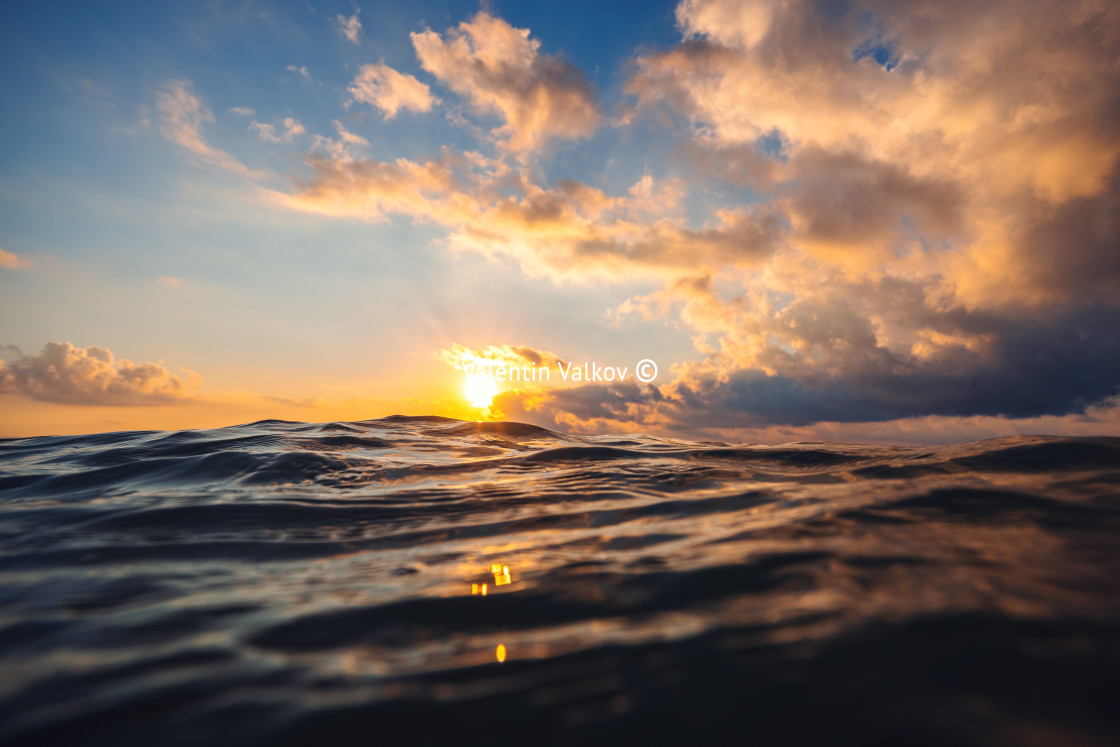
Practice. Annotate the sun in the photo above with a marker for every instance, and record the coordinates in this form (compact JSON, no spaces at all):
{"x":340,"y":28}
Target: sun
{"x":480,"y":390}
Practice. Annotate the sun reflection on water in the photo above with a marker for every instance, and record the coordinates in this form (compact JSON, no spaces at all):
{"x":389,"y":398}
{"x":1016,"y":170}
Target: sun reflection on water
{"x":501,"y":578}
{"x":501,"y":574}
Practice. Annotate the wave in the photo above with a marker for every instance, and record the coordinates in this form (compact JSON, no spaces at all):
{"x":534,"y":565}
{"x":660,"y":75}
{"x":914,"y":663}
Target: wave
{"x":428,"y":580}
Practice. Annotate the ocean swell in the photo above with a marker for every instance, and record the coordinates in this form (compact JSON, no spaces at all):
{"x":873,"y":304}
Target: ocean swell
{"x":426,"y":580}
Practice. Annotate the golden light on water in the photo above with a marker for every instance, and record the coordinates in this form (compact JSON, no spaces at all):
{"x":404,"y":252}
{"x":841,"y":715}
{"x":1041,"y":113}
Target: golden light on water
{"x":501,"y":578}
{"x":480,"y":390}
{"x":501,"y":574}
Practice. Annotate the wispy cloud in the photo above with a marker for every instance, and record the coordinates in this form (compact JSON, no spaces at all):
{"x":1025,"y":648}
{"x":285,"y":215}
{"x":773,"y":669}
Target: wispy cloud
{"x":182,"y":117}
{"x":341,"y":150}
{"x":300,"y":70}
{"x":350,"y":26}
{"x":12,"y":261}
{"x":284,"y":132}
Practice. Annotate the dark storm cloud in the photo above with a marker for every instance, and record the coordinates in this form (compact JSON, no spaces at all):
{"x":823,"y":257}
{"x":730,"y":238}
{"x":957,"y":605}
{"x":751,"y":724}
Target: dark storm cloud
{"x":1059,"y":365}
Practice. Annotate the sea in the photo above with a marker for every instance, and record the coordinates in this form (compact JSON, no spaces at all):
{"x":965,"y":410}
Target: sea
{"x":421,"y":580}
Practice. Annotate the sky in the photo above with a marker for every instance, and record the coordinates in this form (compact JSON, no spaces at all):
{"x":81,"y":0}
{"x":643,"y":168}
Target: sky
{"x":872,"y":221}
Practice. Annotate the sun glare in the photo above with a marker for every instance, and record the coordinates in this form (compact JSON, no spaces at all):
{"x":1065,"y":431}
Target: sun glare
{"x":480,"y":390}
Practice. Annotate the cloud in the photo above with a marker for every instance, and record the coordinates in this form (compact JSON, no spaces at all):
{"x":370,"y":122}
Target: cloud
{"x":459,"y":356}
{"x":1026,"y":106}
{"x":874,"y":212}
{"x":142,"y":124}
{"x":826,"y":348}
{"x":11,"y":261}
{"x":182,"y":117}
{"x":301,"y":70}
{"x":65,"y":374}
{"x":500,"y":70}
{"x":349,"y":26}
{"x":569,"y":229}
{"x":948,"y":195}
{"x":390,"y":91}
{"x":621,"y":409}
{"x":340,"y":150}
{"x":1004,"y":376}
{"x":289,"y":128}
{"x":241,"y":111}
{"x":739,"y":24}
{"x":1069,"y":251}
{"x":368,"y":189}
{"x":842,"y":200}
{"x":169,"y":281}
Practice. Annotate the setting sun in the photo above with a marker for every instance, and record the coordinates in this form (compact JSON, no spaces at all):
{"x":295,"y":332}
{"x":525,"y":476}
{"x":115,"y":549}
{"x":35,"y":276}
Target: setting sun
{"x":480,"y":390}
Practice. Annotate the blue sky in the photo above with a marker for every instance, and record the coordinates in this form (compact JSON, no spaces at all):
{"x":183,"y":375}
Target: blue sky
{"x":115,"y":206}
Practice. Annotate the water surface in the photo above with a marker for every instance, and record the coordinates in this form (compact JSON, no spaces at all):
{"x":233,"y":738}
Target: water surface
{"x":424,"y":580}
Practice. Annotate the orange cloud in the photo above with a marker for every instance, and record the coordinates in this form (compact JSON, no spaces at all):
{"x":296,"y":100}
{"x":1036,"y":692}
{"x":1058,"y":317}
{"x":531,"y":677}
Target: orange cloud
{"x":11,"y":261}
{"x":570,"y":229}
{"x":499,"y":69}
{"x":65,"y":374}
{"x":390,"y":91}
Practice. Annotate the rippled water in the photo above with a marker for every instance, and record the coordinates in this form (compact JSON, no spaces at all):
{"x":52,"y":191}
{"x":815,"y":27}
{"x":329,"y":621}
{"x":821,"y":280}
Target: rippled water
{"x":423,"y":580}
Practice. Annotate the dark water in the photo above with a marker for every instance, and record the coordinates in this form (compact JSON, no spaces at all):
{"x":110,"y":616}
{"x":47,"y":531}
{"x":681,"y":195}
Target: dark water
{"x":312,"y":584}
